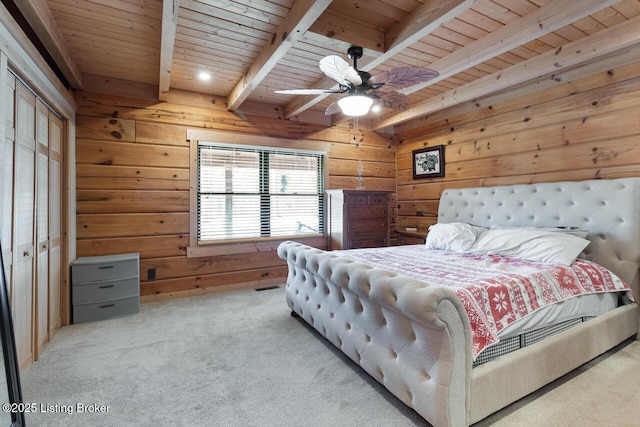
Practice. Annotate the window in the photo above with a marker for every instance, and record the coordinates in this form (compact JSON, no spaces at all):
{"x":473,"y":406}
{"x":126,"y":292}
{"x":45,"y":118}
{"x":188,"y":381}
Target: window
{"x":253,"y":193}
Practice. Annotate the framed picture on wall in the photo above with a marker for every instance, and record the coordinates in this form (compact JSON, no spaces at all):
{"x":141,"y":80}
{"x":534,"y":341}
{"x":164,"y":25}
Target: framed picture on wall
{"x":428,"y":162}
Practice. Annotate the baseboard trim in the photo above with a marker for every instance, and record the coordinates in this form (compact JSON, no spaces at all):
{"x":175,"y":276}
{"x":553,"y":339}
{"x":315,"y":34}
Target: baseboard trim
{"x":212,"y":290}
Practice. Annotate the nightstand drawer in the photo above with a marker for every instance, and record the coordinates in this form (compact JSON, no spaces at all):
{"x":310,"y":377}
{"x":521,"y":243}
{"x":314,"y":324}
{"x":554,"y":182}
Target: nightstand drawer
{"x":411,"y":237}
{"x":106,"y":290}
{"x":105,"y":309}
{"x":406,"y":240}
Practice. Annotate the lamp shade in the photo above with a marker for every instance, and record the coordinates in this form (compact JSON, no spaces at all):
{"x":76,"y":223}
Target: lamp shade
{"x":355,"y":105}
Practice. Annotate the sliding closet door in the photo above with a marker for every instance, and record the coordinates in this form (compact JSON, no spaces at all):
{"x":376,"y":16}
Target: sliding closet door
{"x":24,"y":203}
{"x":41,"y":333}
{"x":55,"y":223}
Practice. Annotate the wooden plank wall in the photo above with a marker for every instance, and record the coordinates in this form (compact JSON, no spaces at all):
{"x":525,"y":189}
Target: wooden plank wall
{"x":133,"y":185}
{"x":586,"y":129}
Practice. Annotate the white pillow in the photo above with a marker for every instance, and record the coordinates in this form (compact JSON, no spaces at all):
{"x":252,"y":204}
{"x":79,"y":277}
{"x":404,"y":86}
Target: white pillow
{"x":534,"y":245}
{"x":452,"y":236}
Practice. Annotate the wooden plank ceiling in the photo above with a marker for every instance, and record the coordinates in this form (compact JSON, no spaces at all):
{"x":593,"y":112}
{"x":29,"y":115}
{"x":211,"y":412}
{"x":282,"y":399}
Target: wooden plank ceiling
{"x":252,"y":48}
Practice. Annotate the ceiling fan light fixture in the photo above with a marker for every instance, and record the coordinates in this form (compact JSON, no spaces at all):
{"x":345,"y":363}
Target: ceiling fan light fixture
{"x":355,"y":105}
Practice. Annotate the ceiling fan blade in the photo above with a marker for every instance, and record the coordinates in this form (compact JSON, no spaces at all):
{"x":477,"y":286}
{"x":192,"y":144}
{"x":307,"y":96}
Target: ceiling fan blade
{"x":339,"y":70}
{"x":401,"y":77}
{"x":394,"y":100}
{"x":306,"y":91}
{"x":333,"y":108}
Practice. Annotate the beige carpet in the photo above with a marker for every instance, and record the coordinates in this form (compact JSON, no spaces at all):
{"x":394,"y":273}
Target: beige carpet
{"x":240,"y":359}
{"x":603,"y":392}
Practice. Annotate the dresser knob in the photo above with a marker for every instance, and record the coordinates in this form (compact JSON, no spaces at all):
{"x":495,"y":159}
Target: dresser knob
{"x":25,"y":253}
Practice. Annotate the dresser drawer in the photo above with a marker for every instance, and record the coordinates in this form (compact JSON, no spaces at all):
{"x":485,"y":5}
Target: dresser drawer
{"x":101,"y":291}
{"x":368,"y":212}
{"x":368,"y":242}
{"x":367,"y":199}
{"x":109,"y":267}
{"x":378,"y":199}
{"x":357,"y":200}
{"x":105,"y":310}
{"x":368,"y":226}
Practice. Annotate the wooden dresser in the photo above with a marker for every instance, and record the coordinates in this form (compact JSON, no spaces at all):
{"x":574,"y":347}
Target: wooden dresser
{"x":357,"y":218}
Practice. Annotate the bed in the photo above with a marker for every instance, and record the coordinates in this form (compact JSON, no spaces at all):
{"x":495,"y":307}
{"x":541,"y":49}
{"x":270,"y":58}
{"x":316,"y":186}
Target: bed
{"x":415,"y":337}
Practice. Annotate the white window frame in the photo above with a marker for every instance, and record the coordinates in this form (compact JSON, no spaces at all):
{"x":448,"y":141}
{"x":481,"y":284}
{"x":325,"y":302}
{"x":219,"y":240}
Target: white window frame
{"x":196,"y":136}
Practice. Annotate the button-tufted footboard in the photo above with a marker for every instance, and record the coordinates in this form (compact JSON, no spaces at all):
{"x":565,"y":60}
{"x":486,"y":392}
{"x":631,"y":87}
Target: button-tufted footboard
{"x":413,"y":338}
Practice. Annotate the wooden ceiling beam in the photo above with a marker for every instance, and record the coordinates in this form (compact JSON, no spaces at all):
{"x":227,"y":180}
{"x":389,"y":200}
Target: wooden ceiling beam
{"x":426,"y":18}
{"x":625,"y":35}
{"x":301,"y":16}
{"x":540,"y":22}
{"x":338,"y":30}
{"x":39,"y":17}
{"x":168,"y":38}
{"x":421,"y":23}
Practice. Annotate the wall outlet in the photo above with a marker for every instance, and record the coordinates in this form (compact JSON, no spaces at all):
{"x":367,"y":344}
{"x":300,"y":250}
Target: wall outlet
{"x":411,"y":229}
{"x":151,"y":274}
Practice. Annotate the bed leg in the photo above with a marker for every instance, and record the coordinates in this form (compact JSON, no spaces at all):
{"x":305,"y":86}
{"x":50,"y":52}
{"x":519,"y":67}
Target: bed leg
{"x":294,"y":314}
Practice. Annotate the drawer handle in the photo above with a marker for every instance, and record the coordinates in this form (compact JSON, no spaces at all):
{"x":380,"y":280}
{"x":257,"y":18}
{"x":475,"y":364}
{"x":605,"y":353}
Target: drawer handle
{"x":104,"y":267}
{"x":107,"y":305}
{"x":106,"y":286}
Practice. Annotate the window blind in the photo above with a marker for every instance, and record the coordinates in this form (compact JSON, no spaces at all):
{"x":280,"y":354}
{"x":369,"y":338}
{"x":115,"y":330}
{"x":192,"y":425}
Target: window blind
{"x":258,"y":192}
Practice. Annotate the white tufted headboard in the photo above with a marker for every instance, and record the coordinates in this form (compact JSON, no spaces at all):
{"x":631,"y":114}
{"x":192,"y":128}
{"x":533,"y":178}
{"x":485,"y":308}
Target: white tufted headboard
{"x":608,"y":209}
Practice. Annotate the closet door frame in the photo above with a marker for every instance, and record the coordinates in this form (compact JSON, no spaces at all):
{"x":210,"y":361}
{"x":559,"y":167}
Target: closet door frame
{"x":36,"y":274}
{"x":18,"y":57}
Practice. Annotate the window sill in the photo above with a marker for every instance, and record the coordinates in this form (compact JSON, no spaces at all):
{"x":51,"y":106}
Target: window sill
{"x":230,"y":248}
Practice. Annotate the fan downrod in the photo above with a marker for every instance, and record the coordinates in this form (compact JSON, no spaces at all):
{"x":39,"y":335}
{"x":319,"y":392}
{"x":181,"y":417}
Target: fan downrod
{"x":355,"y":53}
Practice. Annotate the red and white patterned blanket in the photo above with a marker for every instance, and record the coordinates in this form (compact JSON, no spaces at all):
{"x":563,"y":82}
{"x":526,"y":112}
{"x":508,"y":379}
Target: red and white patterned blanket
{"x":494,"y":290}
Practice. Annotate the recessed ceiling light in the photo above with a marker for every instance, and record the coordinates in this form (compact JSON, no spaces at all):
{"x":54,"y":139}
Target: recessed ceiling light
{"x":204,"y":76}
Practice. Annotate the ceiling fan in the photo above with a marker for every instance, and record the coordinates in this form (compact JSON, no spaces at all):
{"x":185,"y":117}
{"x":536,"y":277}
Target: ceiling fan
{"x":363,"y":90}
